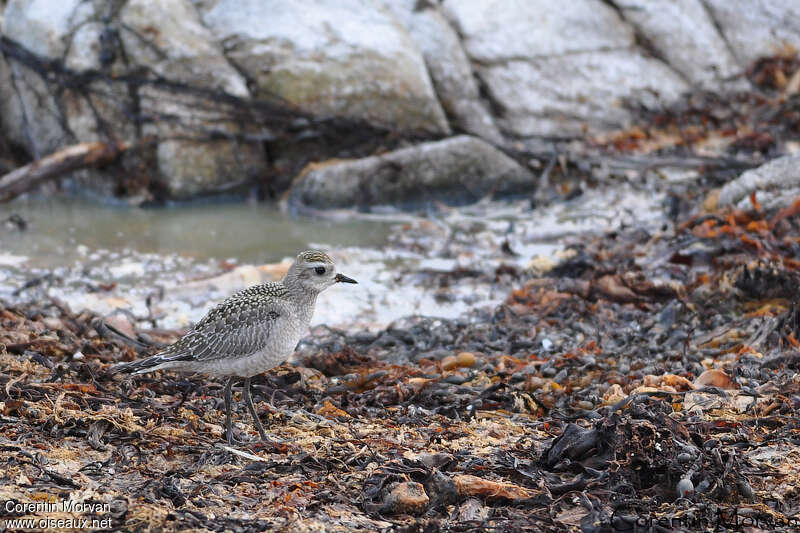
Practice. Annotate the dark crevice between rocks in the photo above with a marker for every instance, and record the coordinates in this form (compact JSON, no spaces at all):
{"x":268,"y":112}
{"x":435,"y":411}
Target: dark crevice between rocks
{"x":497,"y":109}
{"x":12,"y":155}
{"x":721,"y":32}
{"x":644,"y":43}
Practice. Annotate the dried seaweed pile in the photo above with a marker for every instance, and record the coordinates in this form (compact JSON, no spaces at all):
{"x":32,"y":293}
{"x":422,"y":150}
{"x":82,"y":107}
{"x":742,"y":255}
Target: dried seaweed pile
{"x":649,"y":379}
{"x":750,"y":121}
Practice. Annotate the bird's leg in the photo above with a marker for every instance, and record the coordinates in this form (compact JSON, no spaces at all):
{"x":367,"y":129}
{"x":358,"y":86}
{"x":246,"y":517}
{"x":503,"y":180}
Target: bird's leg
{"x":252,"y":409}
{"x":228,"y":429}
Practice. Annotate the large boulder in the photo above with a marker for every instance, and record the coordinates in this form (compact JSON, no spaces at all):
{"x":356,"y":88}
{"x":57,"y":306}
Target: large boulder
{"x":558,"y":68}
{"x":684,"y":34}
{"x":179,"y":47}
{"x":166,"y":46}
{"x":44,"y":28}
{"x":757,"y":28}
{"x":458,"y":170}
{"x":776,"y":184}
{"x":9,"y":114}
{"x":348,"y":58}
{"x":449,"y":68}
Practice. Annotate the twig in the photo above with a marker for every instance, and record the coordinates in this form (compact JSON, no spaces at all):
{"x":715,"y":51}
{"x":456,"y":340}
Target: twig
{"x":55,"y":165}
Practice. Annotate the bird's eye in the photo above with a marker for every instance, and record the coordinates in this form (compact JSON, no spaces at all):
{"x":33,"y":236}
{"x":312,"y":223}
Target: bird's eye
{"x":320,"y":270}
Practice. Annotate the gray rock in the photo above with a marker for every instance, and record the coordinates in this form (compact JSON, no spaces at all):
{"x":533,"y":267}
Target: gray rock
{"x":756,"y":28}
{"x":166,"y":38}
{"x":338,"y":57}
{"x":178,"y":45}
{"x":408,"y":497}
{"x":9,"y":114}
{"x":458,"y":170}
{"x":571,"y":94}
{"x":43,"y":28}
{"x":574,"y":71}
{"x":776,"y":184}
{"x":180,"y":48}
{"x":684,"y":34}
{"x":495,"y":32}
{"x":449,"y":68}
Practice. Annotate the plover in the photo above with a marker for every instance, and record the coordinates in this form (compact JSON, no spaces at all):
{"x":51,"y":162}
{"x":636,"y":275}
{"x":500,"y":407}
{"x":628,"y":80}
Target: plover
{"x":250,"y":332}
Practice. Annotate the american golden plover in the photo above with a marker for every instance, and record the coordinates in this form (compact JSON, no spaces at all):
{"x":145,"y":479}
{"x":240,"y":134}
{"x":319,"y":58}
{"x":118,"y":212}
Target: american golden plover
{"x":252,"y":331}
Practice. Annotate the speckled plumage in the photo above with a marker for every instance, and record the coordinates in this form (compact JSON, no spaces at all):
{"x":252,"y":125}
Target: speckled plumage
{"x":252,"y":331}
{"x":312,"y":256}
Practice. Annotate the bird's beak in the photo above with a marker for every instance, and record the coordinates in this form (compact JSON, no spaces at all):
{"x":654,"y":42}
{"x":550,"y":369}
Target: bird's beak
{"x":341,"y":278}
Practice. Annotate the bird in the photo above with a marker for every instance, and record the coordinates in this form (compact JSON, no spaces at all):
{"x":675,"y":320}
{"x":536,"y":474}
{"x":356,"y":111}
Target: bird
{"x":250,"y":332}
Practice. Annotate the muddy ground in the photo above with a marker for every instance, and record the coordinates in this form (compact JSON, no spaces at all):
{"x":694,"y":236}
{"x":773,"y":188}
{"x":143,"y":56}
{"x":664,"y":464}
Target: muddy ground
{"x":648,"y":382}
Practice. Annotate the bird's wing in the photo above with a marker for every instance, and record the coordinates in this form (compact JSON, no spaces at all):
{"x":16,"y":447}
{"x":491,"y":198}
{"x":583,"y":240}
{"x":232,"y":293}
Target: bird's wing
{"x":238,"y":327}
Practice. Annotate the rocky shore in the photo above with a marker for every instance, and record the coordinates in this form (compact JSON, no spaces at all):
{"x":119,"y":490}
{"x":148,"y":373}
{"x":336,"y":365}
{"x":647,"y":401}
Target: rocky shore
{"x":613,"y":345}
{"x":210,"y":97}
{"x":651,"y":374}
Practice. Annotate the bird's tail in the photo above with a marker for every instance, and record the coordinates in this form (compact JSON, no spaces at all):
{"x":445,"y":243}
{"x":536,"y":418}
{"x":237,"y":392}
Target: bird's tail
{"x":140,"y":366}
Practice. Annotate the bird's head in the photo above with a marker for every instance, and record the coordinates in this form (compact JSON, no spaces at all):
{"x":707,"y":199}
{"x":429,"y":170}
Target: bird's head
{"x":313,"y":271}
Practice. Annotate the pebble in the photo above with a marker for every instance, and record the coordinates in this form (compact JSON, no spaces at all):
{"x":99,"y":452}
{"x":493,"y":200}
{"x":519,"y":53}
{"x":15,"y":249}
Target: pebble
{"x":407,"y":498}
{"x":685,"y":488}
{"x":535,"y":383}
{"x":53,"y":324}
{"x":456,"y":379}
{"x":465,"y":359}
{"x":434,"y":460}
{"x":685,"y":457}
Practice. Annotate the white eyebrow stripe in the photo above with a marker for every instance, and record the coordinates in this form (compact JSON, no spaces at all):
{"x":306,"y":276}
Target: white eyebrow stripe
{"x":318,"y":264}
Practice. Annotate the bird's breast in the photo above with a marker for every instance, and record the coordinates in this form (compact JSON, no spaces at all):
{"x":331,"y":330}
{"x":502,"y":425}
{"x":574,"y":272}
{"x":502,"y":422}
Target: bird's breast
{"x":283,"y":338}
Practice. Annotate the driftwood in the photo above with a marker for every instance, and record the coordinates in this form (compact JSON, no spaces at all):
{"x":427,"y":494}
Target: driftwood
{"x":56,"y":165}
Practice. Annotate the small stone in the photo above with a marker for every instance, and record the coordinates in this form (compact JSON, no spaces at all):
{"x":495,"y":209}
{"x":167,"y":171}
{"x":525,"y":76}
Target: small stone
{"x":685,"y":457}
{"x":685,"y":488}
{"x":407,"y":498}
{"x":449,"y":362}
{"x":53,"y":324}
{"x":122,"y":324}
{"x":535,"y":383}
{"x":586,"y":405}
{"x":614,"y":394}
{"x":434,"y":460}
{"x":465,"y":359}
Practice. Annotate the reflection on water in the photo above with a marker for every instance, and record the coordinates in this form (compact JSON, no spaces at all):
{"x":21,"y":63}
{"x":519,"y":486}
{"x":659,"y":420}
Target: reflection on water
{"x":60,"y":228}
